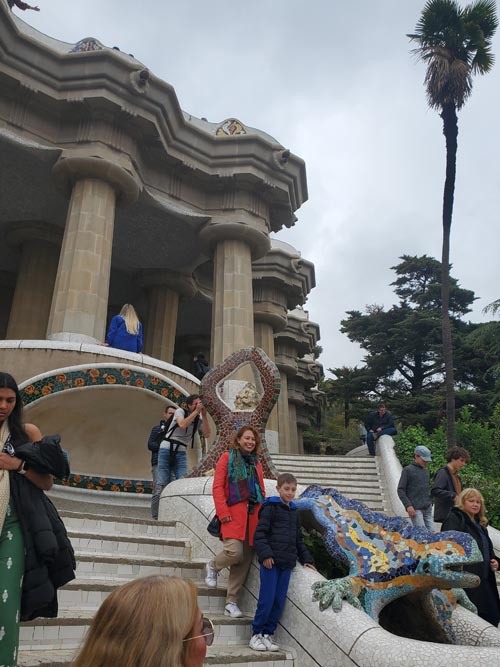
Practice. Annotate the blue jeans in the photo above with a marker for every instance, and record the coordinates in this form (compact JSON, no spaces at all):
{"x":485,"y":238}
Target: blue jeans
{"x":179,"y":468}
{"x":370,"y":437}
{"x":272,"y":595}
{"x":423,"y":518}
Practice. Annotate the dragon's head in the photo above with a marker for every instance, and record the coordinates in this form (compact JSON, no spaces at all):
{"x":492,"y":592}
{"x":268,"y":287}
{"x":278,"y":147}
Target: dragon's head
{"x":443,"y":560}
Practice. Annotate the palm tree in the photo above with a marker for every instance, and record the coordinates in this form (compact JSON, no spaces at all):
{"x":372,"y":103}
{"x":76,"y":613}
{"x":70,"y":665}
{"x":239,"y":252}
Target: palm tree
{"x":493,"y":307}
{"x":455,"y":44}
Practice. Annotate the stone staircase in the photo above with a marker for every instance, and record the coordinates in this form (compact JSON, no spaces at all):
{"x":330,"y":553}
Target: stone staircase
{"x":113,"y":547}
{"x":112,"y":550}
{"x":358,"y":477}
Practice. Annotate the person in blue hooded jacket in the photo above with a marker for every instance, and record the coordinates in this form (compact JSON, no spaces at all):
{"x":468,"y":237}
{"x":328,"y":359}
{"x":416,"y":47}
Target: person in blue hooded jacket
{"x":125,"y":330}
{"x":278,"y":543}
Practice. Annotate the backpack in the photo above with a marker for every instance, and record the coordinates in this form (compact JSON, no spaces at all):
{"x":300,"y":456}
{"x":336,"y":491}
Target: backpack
{"x":167,"y":428}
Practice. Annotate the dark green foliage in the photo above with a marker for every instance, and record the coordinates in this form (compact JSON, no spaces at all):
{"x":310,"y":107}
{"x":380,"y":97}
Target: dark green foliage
{"x":404,"y":343}
{"x":324,"y":563}
{"x":404,"y":360}
{"x":350,"y":387}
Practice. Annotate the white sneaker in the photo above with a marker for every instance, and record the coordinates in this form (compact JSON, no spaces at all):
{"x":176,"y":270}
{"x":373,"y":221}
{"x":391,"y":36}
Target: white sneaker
{"x":267,"y":640}
{"x":210,"y":575}
{"x":257,"y":644}
{"x":232,"y":609}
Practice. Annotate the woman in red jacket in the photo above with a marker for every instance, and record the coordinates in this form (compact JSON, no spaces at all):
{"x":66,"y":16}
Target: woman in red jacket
{"x":238,"y":492}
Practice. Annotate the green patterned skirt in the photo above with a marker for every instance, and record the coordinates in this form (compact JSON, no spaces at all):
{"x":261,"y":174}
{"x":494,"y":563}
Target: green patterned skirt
{"x":11,"y":581}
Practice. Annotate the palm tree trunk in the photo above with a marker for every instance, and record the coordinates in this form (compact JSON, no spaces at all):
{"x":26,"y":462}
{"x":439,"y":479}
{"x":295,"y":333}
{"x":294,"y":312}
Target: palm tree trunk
{"x":347,"y":413}
{"x":450,"y":131}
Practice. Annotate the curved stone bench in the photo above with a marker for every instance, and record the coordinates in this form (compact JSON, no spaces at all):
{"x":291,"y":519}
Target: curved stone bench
{"x":102,"y":401}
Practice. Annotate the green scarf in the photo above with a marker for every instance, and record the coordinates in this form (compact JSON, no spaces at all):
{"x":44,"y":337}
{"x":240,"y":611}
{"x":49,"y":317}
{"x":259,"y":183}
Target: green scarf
{"x":244,"y":483}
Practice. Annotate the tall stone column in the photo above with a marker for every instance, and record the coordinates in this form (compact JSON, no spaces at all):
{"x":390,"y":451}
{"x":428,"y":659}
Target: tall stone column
{"x":292,"y":344}
{"x":269,"y":308}
{"x":79,"y":303}
{"x":232,"y":321}
{"x":234,"y":246}
{"x":292,"y":418}
{"x":306,"y":395}
{"x":296,"y":400}
{"x":286,"y":360}
{"x":283,"y":420}
{"x":40,"y":247}
{"x":282,"y":280}
{"x":165,"y":289}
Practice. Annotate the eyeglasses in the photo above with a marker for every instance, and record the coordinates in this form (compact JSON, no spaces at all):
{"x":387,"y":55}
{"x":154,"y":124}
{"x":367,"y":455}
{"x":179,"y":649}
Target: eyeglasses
{"x":207,"y":630}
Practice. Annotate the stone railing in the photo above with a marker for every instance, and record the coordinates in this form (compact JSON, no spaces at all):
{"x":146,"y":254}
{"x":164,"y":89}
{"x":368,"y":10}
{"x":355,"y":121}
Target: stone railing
{"x":349,"y":637}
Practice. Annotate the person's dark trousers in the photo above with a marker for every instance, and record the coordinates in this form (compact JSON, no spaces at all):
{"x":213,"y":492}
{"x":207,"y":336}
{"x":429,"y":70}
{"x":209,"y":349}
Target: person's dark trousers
{"x":272,"y":595}
{"x":155,"y":498}
{"x":370,"y":441}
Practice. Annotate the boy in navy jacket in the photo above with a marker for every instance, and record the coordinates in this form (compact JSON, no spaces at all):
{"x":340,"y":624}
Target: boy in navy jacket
{"x":278,"y":543}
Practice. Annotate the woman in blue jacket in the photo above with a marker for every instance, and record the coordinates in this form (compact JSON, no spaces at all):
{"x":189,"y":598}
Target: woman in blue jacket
{"x":125,"y":330}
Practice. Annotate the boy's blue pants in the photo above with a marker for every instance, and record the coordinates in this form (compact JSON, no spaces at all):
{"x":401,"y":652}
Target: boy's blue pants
{"x":272,"y":595}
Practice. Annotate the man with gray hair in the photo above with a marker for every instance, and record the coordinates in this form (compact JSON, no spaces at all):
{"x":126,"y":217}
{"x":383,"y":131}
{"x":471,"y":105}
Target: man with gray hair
{"x":414,"y":489}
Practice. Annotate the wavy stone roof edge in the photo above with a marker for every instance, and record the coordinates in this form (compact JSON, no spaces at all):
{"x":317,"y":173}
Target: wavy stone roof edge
{"x":63,"y":48}
{"x":211,"y":128}
{"x":58,"y":45}
{"x":288,"y":248}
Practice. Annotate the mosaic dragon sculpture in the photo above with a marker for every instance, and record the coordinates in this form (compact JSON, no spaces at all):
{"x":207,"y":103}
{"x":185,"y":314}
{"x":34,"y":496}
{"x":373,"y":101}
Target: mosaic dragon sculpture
{"x":388,"y":558}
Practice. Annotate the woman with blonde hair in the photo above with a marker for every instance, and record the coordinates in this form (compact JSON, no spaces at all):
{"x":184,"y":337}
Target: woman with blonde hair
{"x":238,"y":492}
{"x":469,"y":516}
{"x":149,"y":622}
{"x":125,"y":330}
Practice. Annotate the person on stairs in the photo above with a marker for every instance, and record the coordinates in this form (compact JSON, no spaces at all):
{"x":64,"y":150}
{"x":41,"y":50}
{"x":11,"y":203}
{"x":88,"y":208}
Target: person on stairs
{"x":238,"y":492}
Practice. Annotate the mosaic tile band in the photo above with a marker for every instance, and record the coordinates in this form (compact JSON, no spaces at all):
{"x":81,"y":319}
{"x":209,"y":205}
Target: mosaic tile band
{"x":84,"y":378}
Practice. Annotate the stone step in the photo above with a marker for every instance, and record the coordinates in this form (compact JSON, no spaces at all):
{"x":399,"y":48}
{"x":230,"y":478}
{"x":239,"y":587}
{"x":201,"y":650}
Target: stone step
{"x":58,"y":658}
{"x":355,"y":477}
{"x":334,"y":481}
{"x":237,"y":655}
{"x":98,"y":565}
{"x":101,"y":523}
{"x":292,"y":459}
{"x":340,"y":470}
{"x":71,"y":625}
{"x":88,"y":593}
{"x":355,"y":491}
{"x":366,"y":465}
{"x":83,"y":540}
{"x":216,"y":656}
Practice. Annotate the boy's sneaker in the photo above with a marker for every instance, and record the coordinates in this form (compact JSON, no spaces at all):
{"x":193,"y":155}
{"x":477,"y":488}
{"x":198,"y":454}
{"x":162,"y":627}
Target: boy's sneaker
{"x":267,"y":640}
{"x":210,"y":575}
{"x":257,"y":643}
{"x":232,"y":609}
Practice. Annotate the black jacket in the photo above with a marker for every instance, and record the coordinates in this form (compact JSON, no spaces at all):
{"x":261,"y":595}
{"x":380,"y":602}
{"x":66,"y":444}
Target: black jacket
{"x":485,"y":596}
{"x":444,"y":493}
{"x":375,"y":421}
{"x":154,"y":444}
{"x":278,"y":534}
{"x":49,"y":557}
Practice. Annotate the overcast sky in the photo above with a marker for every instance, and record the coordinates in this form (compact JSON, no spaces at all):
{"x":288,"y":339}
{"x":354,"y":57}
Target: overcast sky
{"x":335,"y":82}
